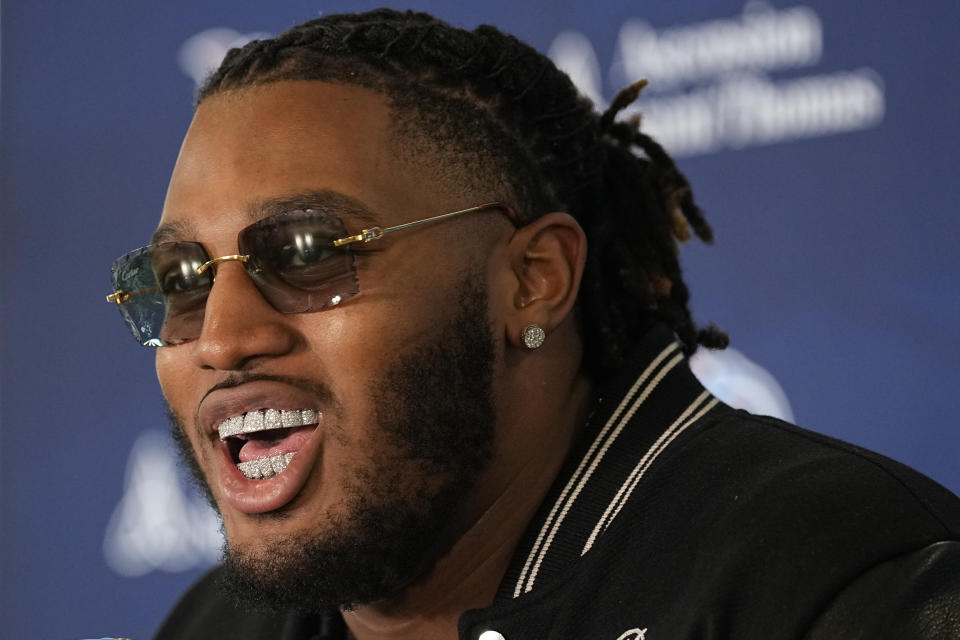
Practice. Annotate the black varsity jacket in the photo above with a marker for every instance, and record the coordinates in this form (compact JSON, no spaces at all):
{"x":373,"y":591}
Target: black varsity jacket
{"x":677,"y":517}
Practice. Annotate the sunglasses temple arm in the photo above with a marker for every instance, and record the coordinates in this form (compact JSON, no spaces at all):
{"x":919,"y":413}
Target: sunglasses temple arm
{"x":375,"y":233}
{"x":122,"y":296}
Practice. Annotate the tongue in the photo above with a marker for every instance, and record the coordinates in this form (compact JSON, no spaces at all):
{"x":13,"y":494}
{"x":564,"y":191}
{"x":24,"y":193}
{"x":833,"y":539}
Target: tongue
{"x":289,"y":441}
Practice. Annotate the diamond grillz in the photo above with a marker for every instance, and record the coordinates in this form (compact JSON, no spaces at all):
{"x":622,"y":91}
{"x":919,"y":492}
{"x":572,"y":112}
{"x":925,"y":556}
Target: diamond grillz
{"x":263,"y":468}
{"x":266,"y":419}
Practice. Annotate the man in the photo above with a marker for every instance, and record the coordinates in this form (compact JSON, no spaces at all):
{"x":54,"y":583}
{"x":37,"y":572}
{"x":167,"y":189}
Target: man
{"x":438,"y":387}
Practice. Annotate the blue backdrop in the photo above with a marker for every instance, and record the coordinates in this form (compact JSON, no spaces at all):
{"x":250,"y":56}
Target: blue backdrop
{"x":821,"y":139}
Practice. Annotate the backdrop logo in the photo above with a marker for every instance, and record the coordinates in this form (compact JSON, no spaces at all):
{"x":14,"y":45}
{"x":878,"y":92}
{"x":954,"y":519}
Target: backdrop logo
{"x":160,"y":523}
{"x":740,"y":382}
{"x":202,"y":53}
{"x":710,"y":85}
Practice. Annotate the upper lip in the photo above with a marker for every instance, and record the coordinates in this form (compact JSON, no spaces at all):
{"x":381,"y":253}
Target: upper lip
{"x":221,"y":404}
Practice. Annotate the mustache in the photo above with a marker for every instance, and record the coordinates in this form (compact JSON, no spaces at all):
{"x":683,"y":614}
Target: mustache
{"x":317,"y":389}
{"x":313,"y":387}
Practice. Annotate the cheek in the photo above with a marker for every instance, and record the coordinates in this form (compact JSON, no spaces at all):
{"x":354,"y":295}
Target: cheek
{"x":395,"y":311}
{"x":179,"y":388}
{"x":171,"y":373}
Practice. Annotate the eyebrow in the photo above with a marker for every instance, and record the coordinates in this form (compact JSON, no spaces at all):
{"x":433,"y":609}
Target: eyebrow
{"x":323,"y":201}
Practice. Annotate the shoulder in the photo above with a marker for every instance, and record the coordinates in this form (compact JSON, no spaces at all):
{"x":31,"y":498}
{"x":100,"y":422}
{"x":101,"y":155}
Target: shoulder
{"x":777,"y":526}
{"x":916,"y":595}
{"x":781,"y":470}
{"x":756,"y":484}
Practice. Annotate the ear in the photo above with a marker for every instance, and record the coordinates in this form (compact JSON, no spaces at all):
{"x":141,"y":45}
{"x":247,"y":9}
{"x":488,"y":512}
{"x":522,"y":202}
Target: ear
{"x":547,"y":258}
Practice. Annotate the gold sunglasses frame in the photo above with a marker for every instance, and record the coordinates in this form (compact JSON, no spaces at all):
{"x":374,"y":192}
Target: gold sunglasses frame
{"x":366,"y":235}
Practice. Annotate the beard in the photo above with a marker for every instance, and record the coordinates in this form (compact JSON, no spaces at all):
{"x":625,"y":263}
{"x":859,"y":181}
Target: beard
{"x":434,"y":412}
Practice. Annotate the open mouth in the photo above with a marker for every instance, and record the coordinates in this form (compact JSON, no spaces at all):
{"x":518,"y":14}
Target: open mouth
{"x":262,"y":443}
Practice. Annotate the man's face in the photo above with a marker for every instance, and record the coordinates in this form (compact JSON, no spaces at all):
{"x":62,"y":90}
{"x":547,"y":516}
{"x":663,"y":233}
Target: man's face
{"x":397,"y":379}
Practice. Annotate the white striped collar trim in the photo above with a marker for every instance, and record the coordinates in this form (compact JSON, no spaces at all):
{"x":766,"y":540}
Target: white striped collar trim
{"x":641,"y":389}
{"x":701,"y":405}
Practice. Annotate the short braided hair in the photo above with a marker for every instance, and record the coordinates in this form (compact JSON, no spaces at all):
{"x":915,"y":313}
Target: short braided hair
{"x":539,"y":141}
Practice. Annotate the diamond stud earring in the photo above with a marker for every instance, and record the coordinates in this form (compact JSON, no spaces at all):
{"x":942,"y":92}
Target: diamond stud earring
{"x":533,"y":336}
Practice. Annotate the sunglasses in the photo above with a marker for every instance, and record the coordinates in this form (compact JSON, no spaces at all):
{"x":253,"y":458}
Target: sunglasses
{"x":299,"y":261}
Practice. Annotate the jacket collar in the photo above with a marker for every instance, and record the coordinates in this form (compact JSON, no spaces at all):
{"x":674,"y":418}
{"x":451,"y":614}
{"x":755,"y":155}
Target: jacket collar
{"x":634,"y":420}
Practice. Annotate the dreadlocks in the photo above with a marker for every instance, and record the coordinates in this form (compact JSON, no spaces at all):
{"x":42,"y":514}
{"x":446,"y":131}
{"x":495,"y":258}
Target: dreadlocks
{"x":535,"y":137}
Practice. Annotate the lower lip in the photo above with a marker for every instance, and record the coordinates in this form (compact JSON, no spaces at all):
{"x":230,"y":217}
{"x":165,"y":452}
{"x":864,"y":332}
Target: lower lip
{"x":262,"y":496}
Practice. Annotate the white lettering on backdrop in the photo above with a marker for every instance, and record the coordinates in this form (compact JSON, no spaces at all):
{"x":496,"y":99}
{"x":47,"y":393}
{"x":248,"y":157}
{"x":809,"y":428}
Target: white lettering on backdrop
{"x":709,"y":81}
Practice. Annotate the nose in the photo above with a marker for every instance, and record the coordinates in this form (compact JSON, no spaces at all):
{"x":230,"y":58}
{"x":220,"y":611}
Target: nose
{"x":240,"y":328}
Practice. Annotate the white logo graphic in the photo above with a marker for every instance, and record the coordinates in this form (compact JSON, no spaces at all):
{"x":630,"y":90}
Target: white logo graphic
{"x":740,"y":382}
{"x":709,"y":86}
{"x":572,"y":52}
{"x":159,"y":523}
{"x":202,"y":53}
{"x":633,"y":634}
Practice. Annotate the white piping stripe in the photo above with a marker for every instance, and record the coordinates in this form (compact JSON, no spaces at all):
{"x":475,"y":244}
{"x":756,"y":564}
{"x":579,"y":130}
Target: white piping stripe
{"x":659,"y":446}
{"x":652,"y":452}
{"x":586,"y":458}
{"x":593,"y":463}
{"x":710,"y":405}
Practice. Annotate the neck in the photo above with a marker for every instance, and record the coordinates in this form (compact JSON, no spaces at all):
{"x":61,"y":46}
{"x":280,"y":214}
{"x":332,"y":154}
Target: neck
{"x":467,"y":576}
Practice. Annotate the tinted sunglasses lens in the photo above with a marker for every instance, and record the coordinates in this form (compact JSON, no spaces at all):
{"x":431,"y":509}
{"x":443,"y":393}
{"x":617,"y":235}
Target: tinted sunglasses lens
{"x":294,"y":263}
{"x":164,"y":297}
